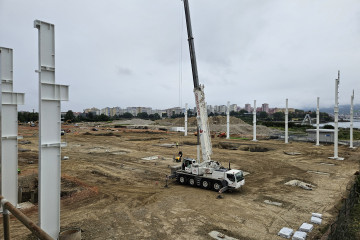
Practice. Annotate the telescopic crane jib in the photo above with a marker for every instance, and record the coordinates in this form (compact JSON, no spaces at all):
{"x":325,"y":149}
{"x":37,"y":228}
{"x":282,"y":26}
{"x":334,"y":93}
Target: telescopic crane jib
{"x":202,"y":118}
{"x":208,"y":174}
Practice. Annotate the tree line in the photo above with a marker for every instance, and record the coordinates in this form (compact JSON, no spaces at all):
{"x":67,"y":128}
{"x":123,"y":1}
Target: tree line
{"x":242,"y":114}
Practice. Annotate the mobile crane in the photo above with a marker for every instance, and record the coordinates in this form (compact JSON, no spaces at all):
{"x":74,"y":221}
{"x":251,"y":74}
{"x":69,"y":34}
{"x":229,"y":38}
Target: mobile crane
{"x":207,"y":174}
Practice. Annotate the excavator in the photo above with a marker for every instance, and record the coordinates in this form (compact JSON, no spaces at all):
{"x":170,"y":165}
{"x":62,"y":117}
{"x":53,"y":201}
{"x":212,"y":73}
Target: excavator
{"x":207,"y":174}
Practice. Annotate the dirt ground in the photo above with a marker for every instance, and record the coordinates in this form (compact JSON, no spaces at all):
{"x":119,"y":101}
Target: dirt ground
{"x":111,"y":193}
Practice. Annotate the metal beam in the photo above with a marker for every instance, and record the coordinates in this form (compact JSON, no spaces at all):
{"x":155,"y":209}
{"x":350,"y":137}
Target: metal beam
{"x":9,"y":127}
{"x":50,"y":97}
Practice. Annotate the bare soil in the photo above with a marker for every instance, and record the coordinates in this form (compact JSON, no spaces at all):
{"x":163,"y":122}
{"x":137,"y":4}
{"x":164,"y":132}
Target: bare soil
{"x":111,"y":193}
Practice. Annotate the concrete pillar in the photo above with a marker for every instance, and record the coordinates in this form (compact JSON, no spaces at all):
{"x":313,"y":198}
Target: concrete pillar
{"x":352,"y":120}
{"x":228,"y":121}
{"x":318,"y":122}
{"x":286,"y":123}
{"x":186,"y":119}
{"x":254,"y":122}
{"x":336,"y":119}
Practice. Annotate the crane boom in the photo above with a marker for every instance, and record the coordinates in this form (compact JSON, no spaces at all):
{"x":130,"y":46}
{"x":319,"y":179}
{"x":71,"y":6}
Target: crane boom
{"x":191,"y":45}
{"x":202,"y":117}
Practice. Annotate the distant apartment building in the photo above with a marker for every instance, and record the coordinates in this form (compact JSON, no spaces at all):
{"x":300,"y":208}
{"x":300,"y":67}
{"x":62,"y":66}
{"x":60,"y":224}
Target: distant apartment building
{"x":210,"y":109}
{"x":222,"y":109}
{"x":115,"y":111}
{"x":132,"y":110}
{"x":233,"y":107}
{"x":174,"y":111}
{"x":106,"y":111}
{"x":265,"y":107}
{"x":291,"y":110}
{"x":158,"y":111}
{"x":248,"y":107}
{"x":94,"y":111}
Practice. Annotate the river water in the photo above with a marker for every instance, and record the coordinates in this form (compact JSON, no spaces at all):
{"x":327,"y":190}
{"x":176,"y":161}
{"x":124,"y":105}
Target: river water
{"x":341,"y":124}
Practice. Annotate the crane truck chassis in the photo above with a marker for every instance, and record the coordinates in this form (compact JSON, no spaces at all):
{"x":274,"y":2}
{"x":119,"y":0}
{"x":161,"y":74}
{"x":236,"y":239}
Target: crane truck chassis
{"x":207,"y":175}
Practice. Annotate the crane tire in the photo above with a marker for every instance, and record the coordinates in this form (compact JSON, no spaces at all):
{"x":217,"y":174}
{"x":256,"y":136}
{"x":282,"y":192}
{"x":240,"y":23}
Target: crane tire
{"x":182,"y":179}
{"x":192,"y":182}
{"x":205,"y":184}
{"x":217,"y":185}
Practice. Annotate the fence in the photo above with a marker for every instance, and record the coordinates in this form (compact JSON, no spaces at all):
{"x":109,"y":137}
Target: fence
{"x":343,"y":228}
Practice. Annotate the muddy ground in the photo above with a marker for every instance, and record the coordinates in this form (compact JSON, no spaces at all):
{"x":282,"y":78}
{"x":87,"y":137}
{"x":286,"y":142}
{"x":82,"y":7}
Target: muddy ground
{"x":111,"y":193}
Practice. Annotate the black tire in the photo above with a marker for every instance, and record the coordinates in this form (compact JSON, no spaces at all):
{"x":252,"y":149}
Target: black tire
{"x":182,"y":179}
{"x":217,"y":185}
{"x":192,"y":182}
{"x":205,"y":184}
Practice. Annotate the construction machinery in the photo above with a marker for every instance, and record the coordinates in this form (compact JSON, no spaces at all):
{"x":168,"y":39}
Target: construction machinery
{"x":207,"y":174}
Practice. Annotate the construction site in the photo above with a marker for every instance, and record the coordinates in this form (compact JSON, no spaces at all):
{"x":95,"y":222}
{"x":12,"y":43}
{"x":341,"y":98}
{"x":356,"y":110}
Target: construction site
{"x":202,"y":177}
{"x":113,"y":183}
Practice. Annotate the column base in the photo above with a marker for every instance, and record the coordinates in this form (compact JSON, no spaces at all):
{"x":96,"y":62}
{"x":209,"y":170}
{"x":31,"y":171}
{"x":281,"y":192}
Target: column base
{"x":337,"y":158}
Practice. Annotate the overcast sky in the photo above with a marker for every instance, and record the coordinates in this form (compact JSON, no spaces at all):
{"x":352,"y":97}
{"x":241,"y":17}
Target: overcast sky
{"x":134,"y":52}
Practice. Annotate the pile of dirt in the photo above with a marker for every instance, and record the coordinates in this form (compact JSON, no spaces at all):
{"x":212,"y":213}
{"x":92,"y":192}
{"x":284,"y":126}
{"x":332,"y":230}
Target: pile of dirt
{"x":134,"y":121}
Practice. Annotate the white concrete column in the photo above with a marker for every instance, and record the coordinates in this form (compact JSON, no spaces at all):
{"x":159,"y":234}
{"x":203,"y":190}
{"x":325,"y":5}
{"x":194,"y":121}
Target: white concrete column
{"x":352,"y":120}
{"x":186,"y":119}
{"x":254,"y":122}
{"x":50,"y":97}
{"x":336,"y":119}
{"x":228,"y":121}
{"x":286,"y":123}
{"x":9,"y":127}
{"x":318,"y":122}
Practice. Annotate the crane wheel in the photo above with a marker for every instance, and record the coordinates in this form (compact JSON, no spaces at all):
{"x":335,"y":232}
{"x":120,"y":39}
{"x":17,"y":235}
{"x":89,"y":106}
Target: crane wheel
{"x":205,"y":184}
{"x":182,"y":179}
{"x":192,"y":182}
{"x":217,"y":186}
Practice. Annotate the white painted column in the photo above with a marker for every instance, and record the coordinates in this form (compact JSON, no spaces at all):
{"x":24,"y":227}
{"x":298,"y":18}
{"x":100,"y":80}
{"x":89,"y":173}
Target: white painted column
{"x":186,"y":119}
{"x":228,"y":121}
{"x":254,"y":122}
{"x":336,"y":119}
{"x":352,"y":120}
{"x":9,"y":127}
{"x":286,"y":123}
{"x":318,"y":122}
{"x":50,"y":97}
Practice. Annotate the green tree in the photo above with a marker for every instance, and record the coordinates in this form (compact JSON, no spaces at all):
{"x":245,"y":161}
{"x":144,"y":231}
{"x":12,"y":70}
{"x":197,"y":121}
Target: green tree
{"x":103,"y":118}
{"x":243,"y":111}
{"x":143,"y":115}
{"x":263,"y":115}
{"x":155,"y":116}
{"x":69,"y":116}
{"x":127,"y":115}
{"x":279,"y":116}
